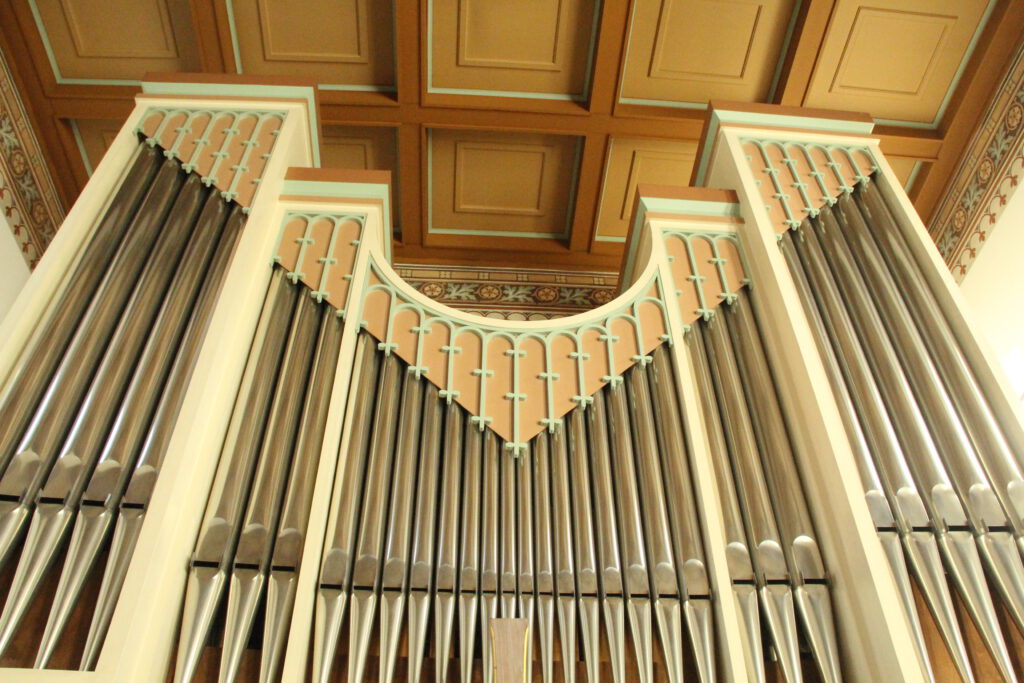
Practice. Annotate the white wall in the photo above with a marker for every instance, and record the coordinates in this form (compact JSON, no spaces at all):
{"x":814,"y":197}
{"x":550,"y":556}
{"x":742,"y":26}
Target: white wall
{"x":13,"y":269}
{"x":994,"y":286}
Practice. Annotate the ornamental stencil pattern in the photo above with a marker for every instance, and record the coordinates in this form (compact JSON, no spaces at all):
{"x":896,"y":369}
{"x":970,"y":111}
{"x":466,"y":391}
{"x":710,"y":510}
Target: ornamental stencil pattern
{"x":988,"y":174}
{"x":28,"y":198}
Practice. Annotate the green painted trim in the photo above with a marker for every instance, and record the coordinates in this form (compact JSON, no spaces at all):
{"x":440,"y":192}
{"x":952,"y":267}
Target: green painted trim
{"x":233,"y":30}
{"x":507,"y":93}
{"x":81,"y":146}
{"x":357,"y":88}
{"x":609,"y":238}
{"x":783,"y":50}
{"x":325,"y":188}
{"x":663,"y":103}
{"x":497,"y":233}
{"x":725,"y":116}
{"x":913,"y":176}
{"x":917,"y":125}
{"x":250,"y":91}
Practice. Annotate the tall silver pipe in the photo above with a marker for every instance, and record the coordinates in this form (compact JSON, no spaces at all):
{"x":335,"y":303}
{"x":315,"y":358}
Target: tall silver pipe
{"x":336,"y":569}
{"x":874,"y":441}
{"x":565,"y":566}
{"x":124,"y":437}
{"x":258,"y":528}
{"x":130,"y":497}
{"x":920,"y":451}
{"x":737,"y":552}
{"x":448,"y":525}
{"x":684,"y":520}
{"x":771,"y":572}
{"x":218,"y":531}
{"x":24,"y":388}
{"x":291,"y":526}
{"x":585,"y":543}
{"x":469,"y":551}
{"x":490,"y":546}
{"x":524,"y":552}
{"x":544,"y":584}
{"x":39,"y":445}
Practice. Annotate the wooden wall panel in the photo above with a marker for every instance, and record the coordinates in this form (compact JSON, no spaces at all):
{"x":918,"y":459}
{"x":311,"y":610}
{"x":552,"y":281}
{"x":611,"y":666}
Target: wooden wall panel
{"x":692,"y":51}
{"x":634,"y":161}
{"x":338,"y":42}
{"x":118,"y":39}
{"x":897,"y":59}
{"x":515,"y":184}
{"x":95,"y":137}
{"x":513,"y":46}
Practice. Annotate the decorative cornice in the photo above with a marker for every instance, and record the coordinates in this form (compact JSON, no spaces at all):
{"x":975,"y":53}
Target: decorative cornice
{"x":28,"y":198}
{"x":989,"y":172}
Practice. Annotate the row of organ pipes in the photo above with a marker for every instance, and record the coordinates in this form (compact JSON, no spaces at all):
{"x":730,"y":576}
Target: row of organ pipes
{"x":592,"y":534}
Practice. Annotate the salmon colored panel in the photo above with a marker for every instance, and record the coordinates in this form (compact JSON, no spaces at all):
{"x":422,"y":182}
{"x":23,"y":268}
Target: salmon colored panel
{"x":792,"y":197}
{"x":711,"y":285}
{"x":187,"y":146}
{"x":313,"y":259}
{"x":595,"y":364}
{"x":532,"y":364}
{"x":288,"y":249}
{"x":734,"y":272}
{"x":776,"y":214}
{"x":151,"y":123}
{"x":435,"y":358}
{"x":225,"y":171}
{"x":625,"y":347}
{"x":845,"y":168}
{"x":864,"y":161}
{"x":564,"y":365}
{"x":403,"y":335}
{"x":828,"y":174}
{"x":257,"y":161}
{"x":169,"y":132}
{"x":803,"y":174}
{"x":653,"y":322}
{"x":499,"y":385}
{"x":467,"y":359}
{"x":207,"y":156}
{"x":681,"y":272}
{"x":376,"y":305}
{"x":345,"y":253}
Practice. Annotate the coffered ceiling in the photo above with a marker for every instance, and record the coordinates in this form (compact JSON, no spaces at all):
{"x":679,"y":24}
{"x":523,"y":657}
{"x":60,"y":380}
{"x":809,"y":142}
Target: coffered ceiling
{"x":517,"y":131}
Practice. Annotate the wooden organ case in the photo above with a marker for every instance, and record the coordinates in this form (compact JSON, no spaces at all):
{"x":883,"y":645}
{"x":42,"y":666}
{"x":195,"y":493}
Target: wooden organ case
{"x":235,"y":445}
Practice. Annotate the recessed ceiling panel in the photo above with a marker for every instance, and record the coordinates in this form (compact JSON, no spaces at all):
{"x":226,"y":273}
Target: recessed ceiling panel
{"x":498,"y":183}
{"x":635,"y":161}
{"x":150,"y":35}
{"x":898,"y":59}
{"x":512,"y":47}
{"x":94,"y":137}
{"x":348,"y":43}
{"x":692,"y":51}
{"x":361,"y":147}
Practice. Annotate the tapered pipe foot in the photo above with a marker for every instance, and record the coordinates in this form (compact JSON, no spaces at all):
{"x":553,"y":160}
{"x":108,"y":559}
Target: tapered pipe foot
{"x":777,"y":603}
{"x":815,"y":608}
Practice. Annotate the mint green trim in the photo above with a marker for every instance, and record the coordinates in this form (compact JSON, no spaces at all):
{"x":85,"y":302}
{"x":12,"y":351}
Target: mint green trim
{"x":357,"y":88}
{"x":233,"y":29}
{"x":326,"y":188}
{"x":913,"y":176}
{"x":690,"y":207}
{"x":663,"y":103}
{"x":248,"y":91}
{"x":81,"y":146}
{"x":497,"y":233}
{"x":783,"y":50}
{"x":507,"y":93}
{"x":725,"y":116}
{"x":609,"y":238}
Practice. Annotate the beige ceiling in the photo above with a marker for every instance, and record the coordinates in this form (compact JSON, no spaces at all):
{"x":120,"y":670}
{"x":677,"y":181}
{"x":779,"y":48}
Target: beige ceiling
{"x":525,"y":125}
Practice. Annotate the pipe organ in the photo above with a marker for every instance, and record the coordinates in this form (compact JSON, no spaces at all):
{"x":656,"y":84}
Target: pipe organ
{"x":234,"y":445}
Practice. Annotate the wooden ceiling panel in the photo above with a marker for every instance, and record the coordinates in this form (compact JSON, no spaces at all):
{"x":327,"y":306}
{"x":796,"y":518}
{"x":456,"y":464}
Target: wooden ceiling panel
{"x":94,"y":136}
{"x":350,"y":45}
{"x":152,"y":35}
{"x":496,"y":183}
{"x":686,"y":52}
{"x":898,"y":59}
{"x":635,"y":161}
{"x":508,"y":48}
{"x":362,"y":147}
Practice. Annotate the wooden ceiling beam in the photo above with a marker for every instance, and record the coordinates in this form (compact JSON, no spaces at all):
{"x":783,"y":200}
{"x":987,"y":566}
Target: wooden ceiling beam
{"x":804,"y":45}
{"x":588,"y":191}
{"x":208,"y":17}
{"x":612,"y":38}
{"x":410,"y":196}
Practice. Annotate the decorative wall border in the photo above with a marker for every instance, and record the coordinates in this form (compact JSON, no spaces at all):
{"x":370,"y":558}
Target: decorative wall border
{"x":28,"y":198}
{"x":988,"y":174}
